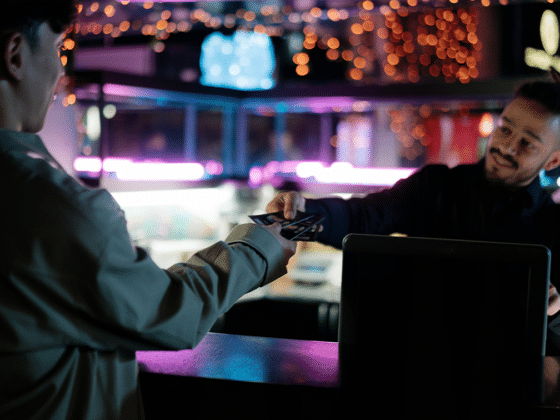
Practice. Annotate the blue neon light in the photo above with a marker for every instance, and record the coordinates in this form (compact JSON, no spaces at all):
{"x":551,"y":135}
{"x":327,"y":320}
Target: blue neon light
{"x":244,"y":61}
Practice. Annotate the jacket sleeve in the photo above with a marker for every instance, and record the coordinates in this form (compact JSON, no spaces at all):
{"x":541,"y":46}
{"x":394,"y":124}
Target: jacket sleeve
{"x":175,"y":308}
{"x":553,"y":335}
{"x":81,"y":282}
{"x":384,"y":212}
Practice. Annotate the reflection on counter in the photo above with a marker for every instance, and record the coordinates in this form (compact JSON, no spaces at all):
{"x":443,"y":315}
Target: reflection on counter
{"x":249,"y":359}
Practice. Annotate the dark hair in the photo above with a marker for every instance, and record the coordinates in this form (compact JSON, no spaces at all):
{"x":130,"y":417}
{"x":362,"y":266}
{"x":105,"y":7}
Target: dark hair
{"x":545,"y":93}
{"x":26,"y":16}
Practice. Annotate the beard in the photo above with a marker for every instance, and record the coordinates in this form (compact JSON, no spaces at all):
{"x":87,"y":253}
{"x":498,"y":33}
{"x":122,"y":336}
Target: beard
{"x":507,"y":158}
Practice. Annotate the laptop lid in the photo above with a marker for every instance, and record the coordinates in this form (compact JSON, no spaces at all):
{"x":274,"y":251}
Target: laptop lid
{"x":460,"y":323}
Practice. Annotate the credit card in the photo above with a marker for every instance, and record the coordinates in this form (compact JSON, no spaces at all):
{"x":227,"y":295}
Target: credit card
{"x":305,"y":230}
{"x":270,"y":218}
{"x":304,"y":227}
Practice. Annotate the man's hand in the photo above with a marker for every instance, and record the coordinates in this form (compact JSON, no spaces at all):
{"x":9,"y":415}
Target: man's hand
{"x":553,"y":301}
{"x":288,"y":202}
{"x":288,"y":247}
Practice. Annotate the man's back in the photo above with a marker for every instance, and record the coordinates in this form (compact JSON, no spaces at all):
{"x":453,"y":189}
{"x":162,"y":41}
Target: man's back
{"x":52,"y":346}
{"x":77,"y":299}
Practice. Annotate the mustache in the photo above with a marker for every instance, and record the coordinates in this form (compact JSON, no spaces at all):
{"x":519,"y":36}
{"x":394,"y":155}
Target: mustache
{"x":506,"y":157}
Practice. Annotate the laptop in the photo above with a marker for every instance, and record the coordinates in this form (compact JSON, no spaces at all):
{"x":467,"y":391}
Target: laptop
{"x":439,"y":328}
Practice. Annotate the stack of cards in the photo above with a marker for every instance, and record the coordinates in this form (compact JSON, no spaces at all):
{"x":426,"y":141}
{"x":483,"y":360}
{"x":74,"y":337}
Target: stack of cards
{"x":304,"y":227}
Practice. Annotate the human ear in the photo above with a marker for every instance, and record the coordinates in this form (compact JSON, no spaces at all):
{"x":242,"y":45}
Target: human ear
{"x":553,"y":161}
{"x":13,"y":56}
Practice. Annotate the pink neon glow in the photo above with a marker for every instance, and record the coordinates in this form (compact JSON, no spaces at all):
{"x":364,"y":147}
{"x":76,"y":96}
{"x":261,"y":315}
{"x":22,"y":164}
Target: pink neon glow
{"x":345,"y":173}
{"x":87,"y":164}
{"x":309,"y":169}
{"x":289,"y":166}
{"x":114,"y":164}
{"x":128,"y":170}
{"x":159,"y":171}
{"x":168,"y":1}
{"x":337,"y":173}
{"x":270,"y":169}
{"x":255,"y":176}
{"x":119,"y":90}
{"x":214,"y":168}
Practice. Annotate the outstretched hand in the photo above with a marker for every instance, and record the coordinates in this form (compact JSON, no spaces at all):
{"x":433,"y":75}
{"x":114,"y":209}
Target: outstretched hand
{"x":553,"y":301}
{"x":288,"y":247}
{"x":288,"y":202}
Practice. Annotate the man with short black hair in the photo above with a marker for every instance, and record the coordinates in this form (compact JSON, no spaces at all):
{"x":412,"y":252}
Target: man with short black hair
{"x":76,"y":298}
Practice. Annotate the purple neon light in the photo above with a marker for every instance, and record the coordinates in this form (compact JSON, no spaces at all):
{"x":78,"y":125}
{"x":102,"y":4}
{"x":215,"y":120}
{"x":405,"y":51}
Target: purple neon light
{"x":158,"y":171}
{"x":166,"y":1}
{"x":345,"y":173}
{"x":88,"y":164}
{"x":250,"y":359}
{"x":114,"y":164}
{"x":255,"y":177}
{"x":214,"y":168}
{"x":337,"y":173}
{"x":119,"y":90}
{"x":128,"y":170}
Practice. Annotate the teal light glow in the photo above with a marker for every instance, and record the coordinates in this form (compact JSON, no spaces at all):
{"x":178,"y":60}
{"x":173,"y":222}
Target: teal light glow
{"x":244,"y":61}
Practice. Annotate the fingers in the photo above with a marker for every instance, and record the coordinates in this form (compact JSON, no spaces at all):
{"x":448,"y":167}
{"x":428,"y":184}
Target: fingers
{"x":275,"y":205}
{"x":288,"y":247}
{"x":290,"y":206}
{"x":553,"y":301}
{"x":288,"y":202}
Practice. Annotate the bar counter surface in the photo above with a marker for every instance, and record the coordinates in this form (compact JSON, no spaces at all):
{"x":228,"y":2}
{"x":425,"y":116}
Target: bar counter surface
{"x":230,"y":375}
{"x":268,"y":378}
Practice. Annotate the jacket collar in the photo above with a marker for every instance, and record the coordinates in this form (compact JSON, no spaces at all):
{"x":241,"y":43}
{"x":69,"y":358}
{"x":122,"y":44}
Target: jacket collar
{"x":532,"y":195}
{"x":30,"y":144}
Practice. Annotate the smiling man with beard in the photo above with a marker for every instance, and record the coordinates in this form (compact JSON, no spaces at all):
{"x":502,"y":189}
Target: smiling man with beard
{"x":499,"y":199}
{"x":526,"y":140}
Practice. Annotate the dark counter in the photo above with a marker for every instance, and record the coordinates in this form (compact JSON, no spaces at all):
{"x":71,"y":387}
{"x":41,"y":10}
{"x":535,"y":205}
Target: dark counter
{"x":250,"y":359}
{"x":269,"y":378}
{"x":254,"y":377}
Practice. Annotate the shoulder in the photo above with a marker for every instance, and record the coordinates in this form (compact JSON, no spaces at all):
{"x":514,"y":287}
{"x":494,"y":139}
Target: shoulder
{"x":46,"y":196}
{"x":444,"y":170}
{"x":442,"y":173}
{"x":439,"y":173}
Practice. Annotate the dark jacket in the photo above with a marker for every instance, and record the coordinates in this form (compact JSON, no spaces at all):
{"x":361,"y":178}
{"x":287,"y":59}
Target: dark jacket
{"x":457,"y":203}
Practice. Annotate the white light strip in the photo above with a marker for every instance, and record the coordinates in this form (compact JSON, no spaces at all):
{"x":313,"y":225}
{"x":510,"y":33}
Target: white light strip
{"x":337,"y":173}
{"x":213,"y":199}
{"x":156,"y":171}
{"x":345,"y":173}
{"x":127,"y":170}
{"x":87,"y":164}
{"x":166,"y":1}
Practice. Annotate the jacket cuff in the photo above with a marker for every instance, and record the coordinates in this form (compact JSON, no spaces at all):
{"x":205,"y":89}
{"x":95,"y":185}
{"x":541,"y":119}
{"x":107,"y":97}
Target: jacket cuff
{"x":263,"y":243}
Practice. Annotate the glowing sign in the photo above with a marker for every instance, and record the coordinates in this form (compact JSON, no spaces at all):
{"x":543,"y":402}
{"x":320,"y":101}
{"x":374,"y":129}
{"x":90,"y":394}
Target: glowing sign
{"x":336,"y":173}
{"x":244,"y":61}
{"x":128,"y":170}
{"x":346,"y":173}
{"x":549,"y":38}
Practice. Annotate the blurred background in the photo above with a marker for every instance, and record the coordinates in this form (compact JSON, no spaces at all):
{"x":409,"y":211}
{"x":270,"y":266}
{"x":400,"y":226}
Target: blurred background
{"x":195,"y":114}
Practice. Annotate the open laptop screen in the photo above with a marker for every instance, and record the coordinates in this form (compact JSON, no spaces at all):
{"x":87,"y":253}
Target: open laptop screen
{"x":457,"y":322}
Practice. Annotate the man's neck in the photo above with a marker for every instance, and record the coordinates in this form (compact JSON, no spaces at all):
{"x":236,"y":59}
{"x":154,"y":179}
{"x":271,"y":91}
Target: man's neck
{"x":9,"y":106}
{"x":497,"y":184}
